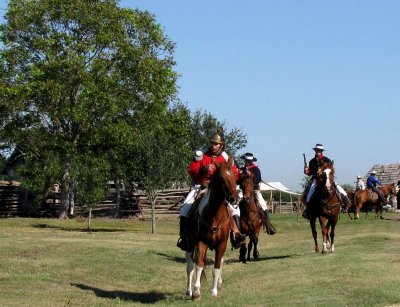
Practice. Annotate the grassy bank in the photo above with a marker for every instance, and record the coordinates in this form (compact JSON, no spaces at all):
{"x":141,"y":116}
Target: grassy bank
{"x":48,"y":262}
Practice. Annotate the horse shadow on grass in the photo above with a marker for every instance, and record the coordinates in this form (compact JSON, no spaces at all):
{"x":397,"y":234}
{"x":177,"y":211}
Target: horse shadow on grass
{"x":393,"y":219}
{"x":43,"y":225}
{"x":260,"y":258}
{"x":172,"y":257}
{"x":230,"y":259}
{"x":151,"y":297}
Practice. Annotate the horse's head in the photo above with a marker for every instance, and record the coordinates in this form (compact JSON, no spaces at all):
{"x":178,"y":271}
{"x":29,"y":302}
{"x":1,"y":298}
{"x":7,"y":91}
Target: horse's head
{"x":325,"y":178}
{"x":393,"y":189}
{"x":247,"y":186}
{"x":228,"y":177}
{"x":388,"y":189}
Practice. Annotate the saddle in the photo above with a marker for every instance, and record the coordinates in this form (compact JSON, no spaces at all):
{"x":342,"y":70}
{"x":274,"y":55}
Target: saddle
{"x":373,"y":195}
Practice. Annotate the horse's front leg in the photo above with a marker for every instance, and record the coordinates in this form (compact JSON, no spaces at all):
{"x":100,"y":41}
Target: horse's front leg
{"x":325,"y":234}
{"x":217,"y":279}
{"x":219,"y":283}
{"x":242,"y":253}
{"x":380,"y":210}
{"x":189,"y":274}
{"x":314,"y":232}
{"x":249,"y":247}
{"x":254,"y":241}
{"x":356,"y":212}
{"x":200,"y":261}
{"x":332,"y":235}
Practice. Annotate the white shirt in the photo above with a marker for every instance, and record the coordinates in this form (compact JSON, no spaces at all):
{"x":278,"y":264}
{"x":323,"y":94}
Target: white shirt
{"x":360,"y":185}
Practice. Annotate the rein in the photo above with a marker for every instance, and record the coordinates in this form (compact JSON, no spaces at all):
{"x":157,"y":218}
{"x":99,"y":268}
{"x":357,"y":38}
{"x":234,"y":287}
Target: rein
{"x":331,"y":207}
{"x":214,"y":229}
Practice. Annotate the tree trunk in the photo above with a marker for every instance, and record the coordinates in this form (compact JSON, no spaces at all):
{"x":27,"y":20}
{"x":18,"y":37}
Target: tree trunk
{"x":65,"y":188}
{"x":118,"y":187}
{"x":153,"y":198}
{"x":71,"y":199}
{"x":90,"y":217}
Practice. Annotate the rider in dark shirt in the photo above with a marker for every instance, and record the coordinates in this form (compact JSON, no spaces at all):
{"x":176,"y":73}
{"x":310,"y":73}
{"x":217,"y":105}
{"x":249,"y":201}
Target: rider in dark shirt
{"x":372,"y":183}
{"x":313,"y":165}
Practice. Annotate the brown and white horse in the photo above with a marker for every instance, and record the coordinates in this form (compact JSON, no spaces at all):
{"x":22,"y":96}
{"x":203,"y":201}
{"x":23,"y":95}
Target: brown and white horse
{"x":213,"y":229}
{"x":325,"y":204}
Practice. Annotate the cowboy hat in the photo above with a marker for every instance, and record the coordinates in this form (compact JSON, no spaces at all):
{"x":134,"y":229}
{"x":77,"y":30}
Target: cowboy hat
{"x":319,"y":147}
{"x":373,"y":173}
{"x":249,"y":157}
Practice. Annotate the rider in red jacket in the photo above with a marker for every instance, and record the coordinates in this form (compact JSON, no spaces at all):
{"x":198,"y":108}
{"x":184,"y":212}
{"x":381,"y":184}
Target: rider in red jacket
{"x":201,"y":170}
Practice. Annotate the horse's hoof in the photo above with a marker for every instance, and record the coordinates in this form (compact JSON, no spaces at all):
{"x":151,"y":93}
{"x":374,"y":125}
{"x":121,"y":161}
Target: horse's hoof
{"x":214,"y":293}
{"x":196,"y":295}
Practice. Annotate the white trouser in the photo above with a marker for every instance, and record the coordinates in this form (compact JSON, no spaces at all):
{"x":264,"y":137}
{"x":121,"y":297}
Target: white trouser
{"x":191,"y":197}
{"x":311,"y":190}
{"x":260,"y":200}
{"x":189,"y":200}
{"x":314,"y":185}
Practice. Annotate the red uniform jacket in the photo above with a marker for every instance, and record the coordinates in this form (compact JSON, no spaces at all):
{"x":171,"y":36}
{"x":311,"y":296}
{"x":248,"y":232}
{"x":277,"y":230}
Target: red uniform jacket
{"x":198,"y":170}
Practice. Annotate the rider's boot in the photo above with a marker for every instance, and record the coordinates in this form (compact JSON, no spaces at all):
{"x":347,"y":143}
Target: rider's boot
{"x":237,"y":239}
{"x":183,"y":241}
{"x":346,"y":201}
{"x":268,"y":225}
{"x":305,"y":212}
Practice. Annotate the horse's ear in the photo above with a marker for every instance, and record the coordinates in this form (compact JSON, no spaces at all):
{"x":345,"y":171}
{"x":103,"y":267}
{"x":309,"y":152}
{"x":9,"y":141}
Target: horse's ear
{"x":333,"y":162}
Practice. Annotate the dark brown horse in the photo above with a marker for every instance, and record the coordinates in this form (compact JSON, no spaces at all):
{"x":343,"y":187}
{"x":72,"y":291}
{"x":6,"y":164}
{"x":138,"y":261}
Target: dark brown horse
{"x":367,"y":198}
{"x":250,"y":218}
{"x":325,"y":204}
{"x":214,"y":227}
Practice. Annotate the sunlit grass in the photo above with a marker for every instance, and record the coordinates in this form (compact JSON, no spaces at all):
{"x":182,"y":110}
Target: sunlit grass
{"x":49,"y":262}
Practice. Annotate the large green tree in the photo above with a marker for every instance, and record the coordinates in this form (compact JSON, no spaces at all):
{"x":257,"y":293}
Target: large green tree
{"x":78,"y":79}
{"x":203,"y":127}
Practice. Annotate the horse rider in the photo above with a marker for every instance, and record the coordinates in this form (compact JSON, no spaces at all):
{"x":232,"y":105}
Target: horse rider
{"x":201,"y":170}
{"x":360,"y":185}
{"x":372,"y":183}
{"x":250,"y":167}
{"x":311,"y":170}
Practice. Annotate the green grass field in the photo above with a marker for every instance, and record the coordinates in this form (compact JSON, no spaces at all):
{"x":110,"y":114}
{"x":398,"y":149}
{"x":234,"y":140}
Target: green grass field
{"x":49,"y":262}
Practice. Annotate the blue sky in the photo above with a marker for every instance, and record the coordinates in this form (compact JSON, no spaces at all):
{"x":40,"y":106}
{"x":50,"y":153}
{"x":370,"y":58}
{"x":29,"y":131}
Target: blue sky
{"x":291,"y":74}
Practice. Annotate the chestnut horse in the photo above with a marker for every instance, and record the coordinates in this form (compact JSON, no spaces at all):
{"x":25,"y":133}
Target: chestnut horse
{"x":213,"y":229}
{"x":250,"y":218}
{"x":325,"y":204}
{"x":366,"y":198}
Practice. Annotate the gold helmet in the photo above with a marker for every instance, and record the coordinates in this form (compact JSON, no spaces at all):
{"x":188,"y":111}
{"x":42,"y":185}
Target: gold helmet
{"x":218,"y":137}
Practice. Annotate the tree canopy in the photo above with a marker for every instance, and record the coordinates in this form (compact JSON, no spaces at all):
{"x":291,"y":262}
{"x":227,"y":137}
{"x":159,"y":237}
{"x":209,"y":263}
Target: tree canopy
{"x":89,"y":89}
{"x":82,"y":76}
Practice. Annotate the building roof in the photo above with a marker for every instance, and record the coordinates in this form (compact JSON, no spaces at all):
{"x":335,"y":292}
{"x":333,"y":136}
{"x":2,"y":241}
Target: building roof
{"x":386,"y":173}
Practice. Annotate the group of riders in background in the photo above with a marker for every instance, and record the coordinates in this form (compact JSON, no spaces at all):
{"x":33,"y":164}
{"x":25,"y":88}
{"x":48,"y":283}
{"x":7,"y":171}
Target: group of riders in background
{"x":202,"y":168}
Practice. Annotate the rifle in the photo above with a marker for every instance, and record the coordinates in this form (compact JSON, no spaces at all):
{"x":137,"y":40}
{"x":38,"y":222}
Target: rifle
{"x":305,"y":160}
